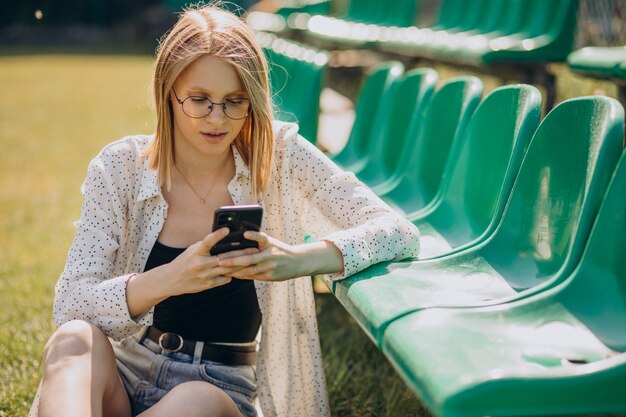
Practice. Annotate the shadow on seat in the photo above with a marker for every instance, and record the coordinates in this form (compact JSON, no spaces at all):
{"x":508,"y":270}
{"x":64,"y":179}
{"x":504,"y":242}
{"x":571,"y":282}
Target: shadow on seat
{"x":480,"y":175}
{"x":411,"y":98}
{"x":373,"y":108}
{"x":418,"y":170}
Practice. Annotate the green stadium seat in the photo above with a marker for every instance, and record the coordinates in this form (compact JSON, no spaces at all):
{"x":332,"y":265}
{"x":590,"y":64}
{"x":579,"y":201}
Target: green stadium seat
{"x":310,"y":7}
{"x":599,"y":62}
{"x":285,"y":18}
{"x":500,"y":18}
{"x":418,"y":173}
{"x":560,"y":352}
{"x":372,"y":114}
{"x":488,"y":33}
{"x":480,"y":175}
{"x":548,"y":38}
{"x":451,"y":14}
{"x":540,"y":237}
{"x":296,"y":80}
{"x":365,"y":22}
{"x":412,"y":97}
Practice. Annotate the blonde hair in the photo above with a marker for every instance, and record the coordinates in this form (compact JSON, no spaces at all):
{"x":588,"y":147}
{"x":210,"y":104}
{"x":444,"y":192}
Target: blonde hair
{"x":210,"y":30}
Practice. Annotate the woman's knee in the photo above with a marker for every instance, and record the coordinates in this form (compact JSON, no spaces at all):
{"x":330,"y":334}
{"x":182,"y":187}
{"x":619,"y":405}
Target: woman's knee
{"x":73,"y":339}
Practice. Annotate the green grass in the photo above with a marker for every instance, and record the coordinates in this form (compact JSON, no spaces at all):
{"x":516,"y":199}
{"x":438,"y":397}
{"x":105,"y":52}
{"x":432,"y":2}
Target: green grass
{"x":56,"y":113}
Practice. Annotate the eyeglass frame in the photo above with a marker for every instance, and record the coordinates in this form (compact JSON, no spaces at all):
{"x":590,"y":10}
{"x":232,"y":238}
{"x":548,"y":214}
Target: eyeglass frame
{"x":213,"y":104}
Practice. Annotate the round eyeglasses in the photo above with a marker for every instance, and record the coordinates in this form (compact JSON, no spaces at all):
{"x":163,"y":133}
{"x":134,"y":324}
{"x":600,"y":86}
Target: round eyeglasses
{"x":198,"y":107}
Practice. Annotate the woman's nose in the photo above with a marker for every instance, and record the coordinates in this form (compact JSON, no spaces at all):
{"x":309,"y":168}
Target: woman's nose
{"x":216,"y":113}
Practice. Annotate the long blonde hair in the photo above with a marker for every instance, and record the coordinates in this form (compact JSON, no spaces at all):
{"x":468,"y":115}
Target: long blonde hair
{"x":210,"y":30}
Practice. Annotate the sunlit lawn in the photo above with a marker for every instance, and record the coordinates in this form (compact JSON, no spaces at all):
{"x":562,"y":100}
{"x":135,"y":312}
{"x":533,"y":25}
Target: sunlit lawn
{"x":56,"y":112}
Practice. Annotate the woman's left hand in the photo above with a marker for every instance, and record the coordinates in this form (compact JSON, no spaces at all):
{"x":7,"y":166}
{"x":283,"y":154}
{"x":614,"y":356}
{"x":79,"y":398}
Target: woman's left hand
{"x":278,"y":261}
{"x":275,"y":261}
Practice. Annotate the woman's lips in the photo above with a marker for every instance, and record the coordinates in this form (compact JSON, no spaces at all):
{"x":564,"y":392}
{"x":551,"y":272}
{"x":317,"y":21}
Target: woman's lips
{"x":213,"y":137}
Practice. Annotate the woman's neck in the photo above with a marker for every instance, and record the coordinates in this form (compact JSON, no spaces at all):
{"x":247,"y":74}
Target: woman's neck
{"x":195,"y":166}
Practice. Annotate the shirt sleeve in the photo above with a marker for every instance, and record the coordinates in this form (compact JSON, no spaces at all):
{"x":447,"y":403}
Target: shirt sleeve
{"x":87,"y":289}
{"x":342,"y":210}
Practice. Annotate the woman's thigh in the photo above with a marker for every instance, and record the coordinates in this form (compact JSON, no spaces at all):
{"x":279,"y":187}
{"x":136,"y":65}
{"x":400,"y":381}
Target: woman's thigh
{"x":79,"y":361}
{"x":194,"y":399}
{"x":149,"y":376}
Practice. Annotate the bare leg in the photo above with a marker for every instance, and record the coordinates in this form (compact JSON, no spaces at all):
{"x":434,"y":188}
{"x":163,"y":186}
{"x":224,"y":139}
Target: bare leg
{"x":80,"y":376}
{"x":194,"y":399}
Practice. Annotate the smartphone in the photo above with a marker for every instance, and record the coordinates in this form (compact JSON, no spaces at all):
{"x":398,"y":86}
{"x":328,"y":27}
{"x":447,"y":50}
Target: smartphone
{"x":238,"y":219}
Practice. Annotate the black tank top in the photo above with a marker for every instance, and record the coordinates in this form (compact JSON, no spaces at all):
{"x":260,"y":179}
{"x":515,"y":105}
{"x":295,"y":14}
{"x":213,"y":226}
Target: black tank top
{"x":229,"y":313}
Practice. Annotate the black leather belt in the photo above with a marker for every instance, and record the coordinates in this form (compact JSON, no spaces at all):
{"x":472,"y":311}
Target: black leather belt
{"x":228,"y":355}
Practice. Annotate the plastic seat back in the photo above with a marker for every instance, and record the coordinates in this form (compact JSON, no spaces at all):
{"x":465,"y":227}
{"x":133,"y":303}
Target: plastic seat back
{"x":485,"y":16}
{"x":429,"y":142}
{"x":495,"y":14}
{"x":368,"y":123}
{"x":450,"y":14}
{"x":549,"y":17}
{"x":410,"y":101}
{"x":296,"y":77}
{"x":546,"y":34}
{"x":400,"y":13}
{"x":281,"y":69}
{"x":596,"y":291}
{"x":472,"y":16}
{"x":359,"y":10}
{"x":307,"y":83}
{"x":482,"y":170}
{"x":512,"y":21}
{"x":558,"y":190}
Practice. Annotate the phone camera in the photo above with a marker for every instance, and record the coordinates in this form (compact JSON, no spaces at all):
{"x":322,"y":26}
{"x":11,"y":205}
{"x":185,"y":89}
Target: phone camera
{"x":225,"y":218}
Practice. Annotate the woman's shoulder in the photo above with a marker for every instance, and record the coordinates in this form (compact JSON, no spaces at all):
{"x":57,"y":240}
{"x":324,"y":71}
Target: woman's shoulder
{"x":128,"y":148}
{"x":123,"y":155}
{"x":292,"y":150}
{"x":120,"y":164}
{"x":287,"y":140}
{"x":284,"y":132}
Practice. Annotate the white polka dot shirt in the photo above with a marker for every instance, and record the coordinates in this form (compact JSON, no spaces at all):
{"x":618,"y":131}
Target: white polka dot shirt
{"x":124,"y":211}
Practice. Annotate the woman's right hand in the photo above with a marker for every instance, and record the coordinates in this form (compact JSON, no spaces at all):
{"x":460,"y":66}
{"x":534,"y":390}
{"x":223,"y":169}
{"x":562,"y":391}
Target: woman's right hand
{"x":192,"y":271}
{"x":197,"y":270}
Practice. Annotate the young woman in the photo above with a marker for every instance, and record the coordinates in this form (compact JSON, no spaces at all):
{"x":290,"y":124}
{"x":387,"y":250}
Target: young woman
{"x":150,"y":323}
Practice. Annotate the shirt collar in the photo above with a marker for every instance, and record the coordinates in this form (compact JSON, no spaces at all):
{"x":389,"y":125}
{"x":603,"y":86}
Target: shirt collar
{"x":149,"y":186}
{"x":241,"y":168}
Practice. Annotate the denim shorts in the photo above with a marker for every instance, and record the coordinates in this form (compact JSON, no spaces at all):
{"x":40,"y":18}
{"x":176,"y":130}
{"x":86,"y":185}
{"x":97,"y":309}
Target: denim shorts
{"x":148,"y":374}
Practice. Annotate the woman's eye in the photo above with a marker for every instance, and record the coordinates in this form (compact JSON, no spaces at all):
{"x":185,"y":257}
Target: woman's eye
{"x":235,"y":102}
{"x":197,"y":99}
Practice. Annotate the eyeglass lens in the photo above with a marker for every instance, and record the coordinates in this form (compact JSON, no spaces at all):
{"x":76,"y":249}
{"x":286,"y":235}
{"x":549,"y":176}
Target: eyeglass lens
{"x":197,"y":107}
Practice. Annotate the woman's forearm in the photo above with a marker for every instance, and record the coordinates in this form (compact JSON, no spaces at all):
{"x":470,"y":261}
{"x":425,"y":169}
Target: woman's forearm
{"x":321,"y":258}
{"x":145,"y":290}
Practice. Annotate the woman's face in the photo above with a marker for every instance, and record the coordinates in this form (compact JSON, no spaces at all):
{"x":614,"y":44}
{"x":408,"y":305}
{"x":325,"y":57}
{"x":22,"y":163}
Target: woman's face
{"x":207,"y":78}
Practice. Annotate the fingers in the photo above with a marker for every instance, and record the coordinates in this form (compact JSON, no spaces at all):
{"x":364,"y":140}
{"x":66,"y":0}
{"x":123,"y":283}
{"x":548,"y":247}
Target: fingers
{"x":220,"y":280}
{"x":256,"y":271}
{"x":260,"y":237}
{"x":211,"y":239}
{"x":242,"y":260}
{"x":236,"y":253}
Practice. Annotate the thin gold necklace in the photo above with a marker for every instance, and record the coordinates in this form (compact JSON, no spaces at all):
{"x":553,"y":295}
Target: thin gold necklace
{"x":202,"y":199}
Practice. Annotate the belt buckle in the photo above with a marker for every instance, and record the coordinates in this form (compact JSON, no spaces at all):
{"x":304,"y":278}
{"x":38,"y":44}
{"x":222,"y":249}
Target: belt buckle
{"x":166,"y":337}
